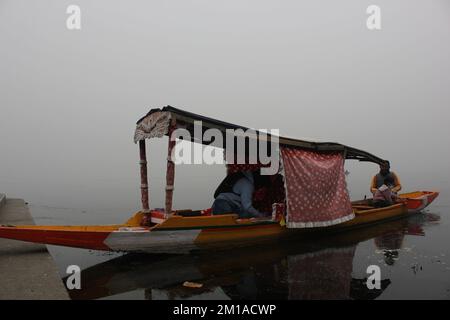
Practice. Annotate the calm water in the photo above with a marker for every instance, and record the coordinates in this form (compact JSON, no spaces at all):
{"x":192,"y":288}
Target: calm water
{"x":413,"y":255}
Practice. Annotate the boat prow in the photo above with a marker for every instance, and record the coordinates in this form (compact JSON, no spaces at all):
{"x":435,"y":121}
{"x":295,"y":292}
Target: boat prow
{"x":419,"y":200}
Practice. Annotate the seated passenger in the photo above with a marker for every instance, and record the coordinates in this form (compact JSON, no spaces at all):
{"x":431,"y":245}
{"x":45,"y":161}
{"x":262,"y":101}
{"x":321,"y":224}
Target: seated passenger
{"x":235,"y":193}
{"x":384,"y":196}
{"x":271,"y":191}
{"x":378,"y":180}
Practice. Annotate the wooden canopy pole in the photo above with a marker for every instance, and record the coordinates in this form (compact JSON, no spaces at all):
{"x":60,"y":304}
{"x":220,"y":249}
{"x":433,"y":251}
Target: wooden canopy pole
{"x":170,"y":173}
{"x":144,"y":178}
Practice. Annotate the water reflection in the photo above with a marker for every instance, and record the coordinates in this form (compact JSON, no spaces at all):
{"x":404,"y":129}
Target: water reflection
{"x":314,"y":269}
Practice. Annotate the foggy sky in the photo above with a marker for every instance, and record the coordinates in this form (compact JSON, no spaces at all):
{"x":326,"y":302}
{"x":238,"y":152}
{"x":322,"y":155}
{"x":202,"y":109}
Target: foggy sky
{"x":69,"y":100}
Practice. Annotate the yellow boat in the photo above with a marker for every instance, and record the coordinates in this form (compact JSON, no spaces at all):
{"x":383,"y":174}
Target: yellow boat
{"x":176,"y":231}
{"x":214,"y":268}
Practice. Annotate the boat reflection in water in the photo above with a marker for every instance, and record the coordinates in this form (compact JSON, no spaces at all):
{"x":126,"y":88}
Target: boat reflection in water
{"x":316,"y":269}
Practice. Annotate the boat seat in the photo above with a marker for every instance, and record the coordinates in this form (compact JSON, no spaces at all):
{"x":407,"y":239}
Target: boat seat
{"x":189,"y":213}
{"x":362,"y":207}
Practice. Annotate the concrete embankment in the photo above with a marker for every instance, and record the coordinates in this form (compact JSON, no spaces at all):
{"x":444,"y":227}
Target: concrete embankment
{"x":27,"y":270}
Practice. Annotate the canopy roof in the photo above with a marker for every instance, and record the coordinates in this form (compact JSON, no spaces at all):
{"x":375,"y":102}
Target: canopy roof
{"x":157,"y":121}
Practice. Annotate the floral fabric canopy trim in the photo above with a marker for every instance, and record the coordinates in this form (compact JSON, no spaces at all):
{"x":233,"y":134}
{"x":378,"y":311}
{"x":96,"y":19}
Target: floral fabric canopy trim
{"x":155,"y":125}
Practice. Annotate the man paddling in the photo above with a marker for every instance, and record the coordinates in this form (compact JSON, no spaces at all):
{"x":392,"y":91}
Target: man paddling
{"x":385,"y":174}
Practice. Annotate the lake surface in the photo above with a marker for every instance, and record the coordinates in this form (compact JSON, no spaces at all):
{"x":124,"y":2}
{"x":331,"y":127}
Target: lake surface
{"x":412,"y":253}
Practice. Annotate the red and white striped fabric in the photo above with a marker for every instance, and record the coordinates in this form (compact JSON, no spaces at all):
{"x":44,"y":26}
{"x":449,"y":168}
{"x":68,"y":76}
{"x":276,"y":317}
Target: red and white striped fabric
{"x":316,"y":189}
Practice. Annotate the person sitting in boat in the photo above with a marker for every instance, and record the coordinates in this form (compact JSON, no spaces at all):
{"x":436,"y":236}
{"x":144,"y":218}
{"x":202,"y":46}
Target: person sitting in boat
{"x":385,"y":172}
{"x":384,"y":196}
{"x":234,"y":194}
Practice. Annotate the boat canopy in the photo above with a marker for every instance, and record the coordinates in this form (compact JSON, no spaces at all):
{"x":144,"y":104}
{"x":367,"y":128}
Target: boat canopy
{"x":157,"y":121}
{"x":313,"y":192}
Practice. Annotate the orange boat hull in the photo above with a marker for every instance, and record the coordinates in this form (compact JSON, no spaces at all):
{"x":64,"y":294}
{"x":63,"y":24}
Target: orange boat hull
{"x":419,"y":200}
{"x":179,"y":234}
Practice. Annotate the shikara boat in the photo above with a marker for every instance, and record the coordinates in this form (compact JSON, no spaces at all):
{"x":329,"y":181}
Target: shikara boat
{"x":215,"y":269}
{"x":181,"y":231}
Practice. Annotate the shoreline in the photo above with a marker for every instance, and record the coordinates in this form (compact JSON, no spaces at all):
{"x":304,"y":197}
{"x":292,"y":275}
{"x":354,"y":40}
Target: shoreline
{"x":28,"y":270}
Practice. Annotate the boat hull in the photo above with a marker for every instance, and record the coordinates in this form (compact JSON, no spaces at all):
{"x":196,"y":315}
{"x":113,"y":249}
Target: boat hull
{"x":179,"y":234}
{"x":419,"y":200}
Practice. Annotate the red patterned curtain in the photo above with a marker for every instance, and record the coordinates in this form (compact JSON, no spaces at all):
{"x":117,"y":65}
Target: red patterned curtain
{"x":316,"y":189}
